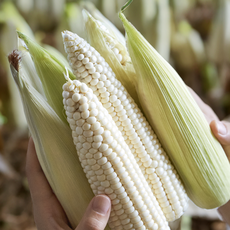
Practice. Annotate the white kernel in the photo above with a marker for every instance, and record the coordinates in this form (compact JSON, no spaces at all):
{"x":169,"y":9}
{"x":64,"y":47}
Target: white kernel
{"x":108,"y":171}
{"x":116,"y":185}
{"x":105,"y":184}
{"x":97,"y":155}
{"x":89,"y":65}
{"x":103,"y":147}
{"x":94,"y":82}
{"x":111,"y":176}
{"x":108,"y":191}
{"x":84,"y":74}
{"x":95,"y":126}
{"x":88,"y":79}
{"x":93,"y":112}
{"x":85,"y":60}
{"x":102,"y":161}
{"x":80,"y":57}
{"x":81,"y":139}
{"x":108,"y":152}
{"x":120,"y":212}
{"x":115,"y":180}
{"x":93,"y":58}
{"x":86,"y":126}
{"x":84,"y":107}
{"x":85,"y":114}
{"x":112,"y":197}
{"x":99,"y":131}
{"x":83,"y":100}
{"x":91,"y":120}
{"x":88,"y":53}
{"x":107,"y":165}
{"x":79,"y":130}
{"x":101,"y":177}
{"x":107,"y":83}
{"x":92,"y":70}
{"x":81,"y":69}
{"x":76,"y":97}
{"x":100,"y":84}
{"x":84,"y":88}
{"x":107,"y":105}
{"x":91,"y":161}
{"x":100,"y":116}
{"x":115,"y":50}
{"x":96,"y":145}
{"x":78,"y":146}
{"x":65,"y":94}
{"x":102,"y":90}
{"x":69,"y":114}
{"x":69,"y":102}
{"x":86,"y":145}
{"x":98,"y":138}
{"x":92,"y":150}
{"x":99,"y":172}
{"x":159,"y":170}
{"x":99,"y":68}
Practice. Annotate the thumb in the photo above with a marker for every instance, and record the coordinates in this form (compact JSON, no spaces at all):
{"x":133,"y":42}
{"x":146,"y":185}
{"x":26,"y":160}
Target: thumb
{"x":96,"y":215}
{"x":221,"y":130}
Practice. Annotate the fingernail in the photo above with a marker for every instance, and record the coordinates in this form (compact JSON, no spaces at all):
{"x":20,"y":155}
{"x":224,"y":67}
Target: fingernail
{"x":221,"y":128}
{"x":101,"y":204}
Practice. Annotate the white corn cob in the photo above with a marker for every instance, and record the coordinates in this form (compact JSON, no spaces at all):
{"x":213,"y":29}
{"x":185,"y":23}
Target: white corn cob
{"x":108,"y":162}
{"x":91,"y":68}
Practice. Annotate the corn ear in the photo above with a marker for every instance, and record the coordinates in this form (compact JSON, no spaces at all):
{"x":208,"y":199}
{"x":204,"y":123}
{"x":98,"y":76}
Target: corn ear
{"x":179,"y":123}
{"x":53,"y":147}
{"x":50,"y":71}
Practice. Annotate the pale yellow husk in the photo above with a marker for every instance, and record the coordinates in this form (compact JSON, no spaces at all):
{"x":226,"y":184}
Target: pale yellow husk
{"x":179,"y":123}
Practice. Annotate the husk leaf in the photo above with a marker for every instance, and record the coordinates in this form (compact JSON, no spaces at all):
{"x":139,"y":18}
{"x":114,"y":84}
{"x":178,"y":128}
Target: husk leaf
{"x":50,"y":71}
{"x":179,"y":123}
{"x":55,"y":150}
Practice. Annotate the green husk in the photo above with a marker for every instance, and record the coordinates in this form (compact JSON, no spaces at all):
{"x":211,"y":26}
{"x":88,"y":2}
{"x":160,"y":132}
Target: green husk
{"x":50,"y":71}
{"x":55,"y":151}
{"x":179,"y":123}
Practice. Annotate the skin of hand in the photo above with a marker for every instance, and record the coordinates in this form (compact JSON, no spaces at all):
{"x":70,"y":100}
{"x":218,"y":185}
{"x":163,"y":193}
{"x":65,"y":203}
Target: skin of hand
{"x":48,"y":212}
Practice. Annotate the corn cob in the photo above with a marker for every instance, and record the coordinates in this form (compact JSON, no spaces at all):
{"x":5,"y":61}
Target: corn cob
{"x":91,"y":69}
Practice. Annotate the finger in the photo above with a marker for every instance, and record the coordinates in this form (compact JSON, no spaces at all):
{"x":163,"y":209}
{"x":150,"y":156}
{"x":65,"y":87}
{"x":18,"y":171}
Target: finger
{"x":221,"y":130}
{"x":207,"y":111}
{"x":96,"y":215}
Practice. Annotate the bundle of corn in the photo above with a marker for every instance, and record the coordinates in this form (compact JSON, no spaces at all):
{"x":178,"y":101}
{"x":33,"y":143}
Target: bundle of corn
{"x":117,"y":148}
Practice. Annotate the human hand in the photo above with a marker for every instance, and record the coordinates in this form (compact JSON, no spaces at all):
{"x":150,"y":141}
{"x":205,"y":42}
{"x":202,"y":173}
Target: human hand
{"x":221,"y":130}
{"x":48,"y":212}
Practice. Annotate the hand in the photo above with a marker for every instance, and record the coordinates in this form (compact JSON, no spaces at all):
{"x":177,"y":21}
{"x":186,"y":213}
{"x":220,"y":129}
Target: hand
{"x":221,"y":130}
{"x":48,"y":212}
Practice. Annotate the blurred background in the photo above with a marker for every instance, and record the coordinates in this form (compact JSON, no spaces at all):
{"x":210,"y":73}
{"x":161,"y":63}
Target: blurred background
{"x":193,"y":35}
